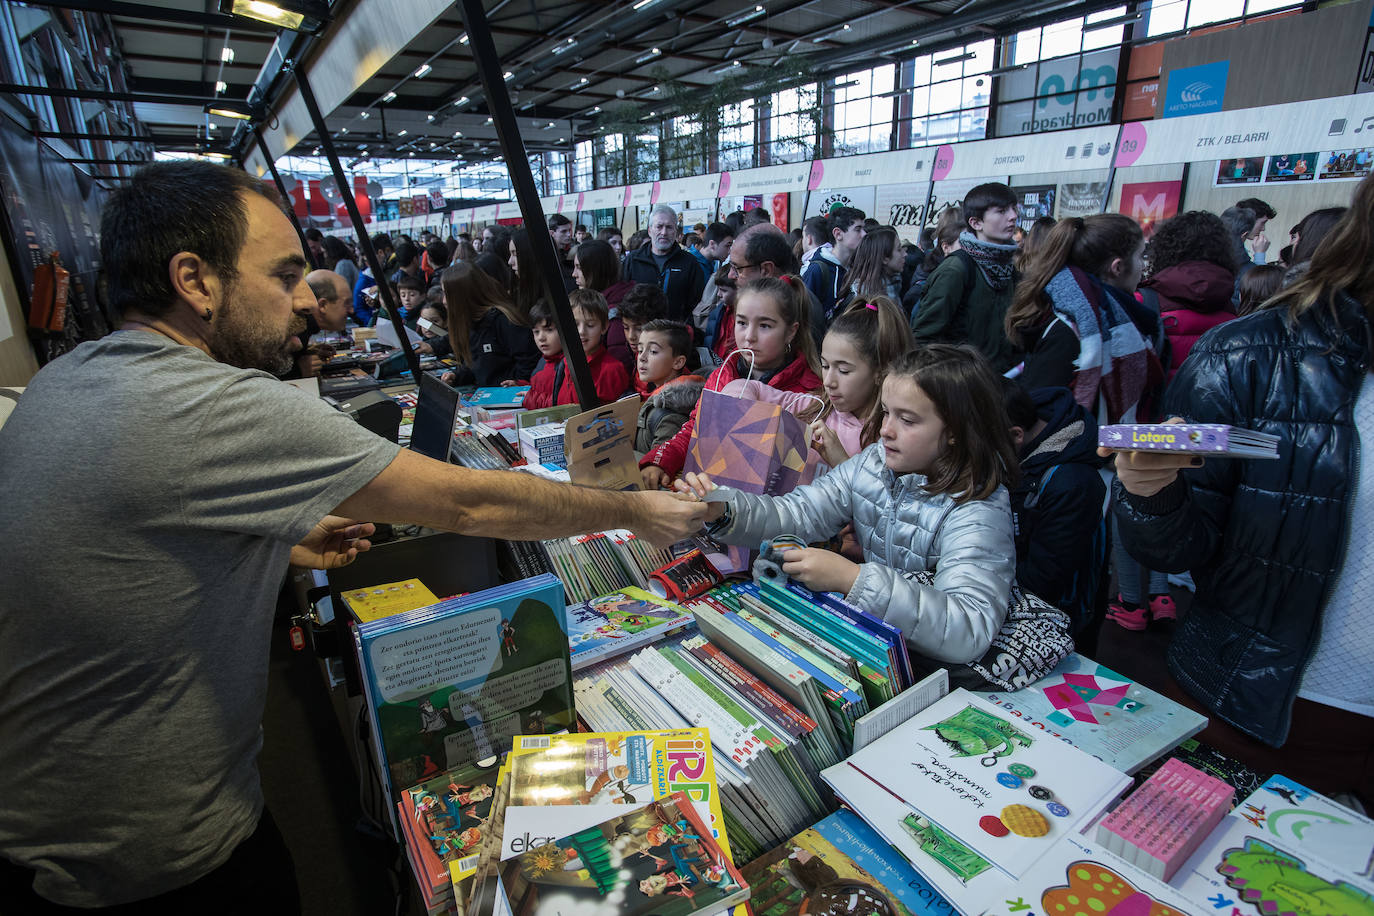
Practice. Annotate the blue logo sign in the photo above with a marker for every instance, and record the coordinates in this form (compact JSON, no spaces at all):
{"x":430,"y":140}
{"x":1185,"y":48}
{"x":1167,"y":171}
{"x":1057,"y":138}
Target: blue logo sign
{"x":1193,"y":90}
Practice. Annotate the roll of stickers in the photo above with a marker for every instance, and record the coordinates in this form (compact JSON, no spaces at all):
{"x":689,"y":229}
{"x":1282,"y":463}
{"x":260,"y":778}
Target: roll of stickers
{"x":686,"y":577}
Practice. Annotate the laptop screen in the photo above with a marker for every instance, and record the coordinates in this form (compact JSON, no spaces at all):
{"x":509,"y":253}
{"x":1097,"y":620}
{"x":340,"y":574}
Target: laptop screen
{"x":436,"y":412}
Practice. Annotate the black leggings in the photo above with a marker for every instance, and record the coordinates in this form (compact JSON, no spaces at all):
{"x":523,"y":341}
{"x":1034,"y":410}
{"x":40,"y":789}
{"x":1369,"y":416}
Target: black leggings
{"x":259,"y":876}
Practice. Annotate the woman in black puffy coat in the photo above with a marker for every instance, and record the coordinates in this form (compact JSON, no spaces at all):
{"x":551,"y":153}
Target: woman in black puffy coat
{"x":1277,"y":646}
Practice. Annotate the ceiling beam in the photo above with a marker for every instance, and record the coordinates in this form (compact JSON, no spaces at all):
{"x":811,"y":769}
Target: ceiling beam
{"x":157,"y":13}
{"x":62,"y":93}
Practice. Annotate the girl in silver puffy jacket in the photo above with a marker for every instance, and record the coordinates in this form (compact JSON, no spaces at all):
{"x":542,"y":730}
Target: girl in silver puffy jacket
{"x":929,"y":495}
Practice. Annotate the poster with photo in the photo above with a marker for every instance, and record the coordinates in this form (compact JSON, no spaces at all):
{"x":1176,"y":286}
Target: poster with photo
{"x":1240,"y":171}
{"x":1347,"y":164}
{"x":1033,"y":202}
{"x":1079,"y":198}
{"x":1291,"y":167}
{"x":1151,"y":202}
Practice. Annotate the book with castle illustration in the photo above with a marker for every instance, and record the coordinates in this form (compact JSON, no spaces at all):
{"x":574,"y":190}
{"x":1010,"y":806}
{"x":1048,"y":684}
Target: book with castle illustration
{"x":658,"y":858}
{"x":452,"y":684}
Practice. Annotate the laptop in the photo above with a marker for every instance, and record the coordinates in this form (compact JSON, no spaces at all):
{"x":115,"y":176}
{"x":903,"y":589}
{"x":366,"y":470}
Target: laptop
{"x":436,"y":413}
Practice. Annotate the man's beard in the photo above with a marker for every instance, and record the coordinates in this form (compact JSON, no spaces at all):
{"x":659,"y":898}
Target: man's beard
{"x":240,"y":340}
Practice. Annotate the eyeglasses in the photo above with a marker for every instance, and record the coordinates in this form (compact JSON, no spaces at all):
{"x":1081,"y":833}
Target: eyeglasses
{"x":741,"y":268}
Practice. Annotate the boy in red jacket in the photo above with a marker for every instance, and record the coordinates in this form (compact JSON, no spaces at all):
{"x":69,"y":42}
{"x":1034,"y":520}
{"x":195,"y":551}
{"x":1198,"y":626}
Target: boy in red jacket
{"x":550,"y":345}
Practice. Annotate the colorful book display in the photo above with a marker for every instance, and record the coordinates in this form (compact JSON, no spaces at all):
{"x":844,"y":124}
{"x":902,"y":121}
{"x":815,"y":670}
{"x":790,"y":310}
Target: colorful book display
{"x":452,"y":684}
{"x":620,"y":622}
{"x":1120,"y":722}
{"x":1166,"y":819}
{"x":443,"y":820}
{"x":1216,"y":440}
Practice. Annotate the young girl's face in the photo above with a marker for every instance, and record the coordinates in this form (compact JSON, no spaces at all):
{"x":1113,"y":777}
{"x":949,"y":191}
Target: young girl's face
{"x":580,"y":280}
{"x":913,"y":433}
{"x":436,"y":319}
{"x":547,"y":340}
{"x":896,"y":259}
{"x":759,"y":327}
{"x":514,"y":262}
{"x":850,"y":382}
{"x":590,"y":330}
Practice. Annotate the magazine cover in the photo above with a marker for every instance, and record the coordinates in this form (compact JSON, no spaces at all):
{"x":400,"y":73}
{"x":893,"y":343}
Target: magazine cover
{"x":447,"y":816}
{"x":1120,"y":722}
{"x":657,"y":859}
{"x":619,"y":622}
{"x":838,"y":866}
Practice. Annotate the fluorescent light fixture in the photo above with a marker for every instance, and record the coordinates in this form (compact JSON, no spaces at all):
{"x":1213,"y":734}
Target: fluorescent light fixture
{"x":648,"y":55}
{"x":227,"y":108}
{"x":847,"y":85}
{"x":461,"y":101}
{"x":364,"y":115}
{"x":488,"y":120}
{"x":464,"y":39}
{"x":422,"y":71}
{"x":969,"y":55}
{"x":457,"y":134}
{"x":1109,"y":23}
{"x":596,"y":110}
{"x":1001,"y":70}
{"x":561,"y":47}
{"x":297,"y":15}
{"x":222,"y":157}
{"x":412,"y":152}
{"x":507,"y":75}
{"x":432,"y":145}
{"x":640,"y":4}
{"x":755,"y":13}
{"x":343,"y":130}
{"x":726,"y":68}
{"x":402,"y":132}
{"x":846,"y":27}
{"x":389,"y":97}
{"x":221,"y":87}
{"x":226,"y":54}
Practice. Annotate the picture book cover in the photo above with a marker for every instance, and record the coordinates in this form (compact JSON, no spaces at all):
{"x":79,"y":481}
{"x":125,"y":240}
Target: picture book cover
{"x":840,"y":865}
{"x":454,"y":683}
{"x":616,"y":768}
{"x":497,"y":398}
{"x":1002,"y":788}
{"x":389,"y":598}
{"x":1120,"y":722}
{"x":448,"y":816}
{"x":619,"y":622}
{"x":1244,"y":870}
{"x":658,"y":858}
{"x":1292,"y":813}
{"x":1076,"y":876}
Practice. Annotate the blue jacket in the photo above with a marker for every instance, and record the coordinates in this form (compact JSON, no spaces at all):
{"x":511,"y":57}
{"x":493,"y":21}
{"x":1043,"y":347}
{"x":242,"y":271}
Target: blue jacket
{"x":1264,"y":539}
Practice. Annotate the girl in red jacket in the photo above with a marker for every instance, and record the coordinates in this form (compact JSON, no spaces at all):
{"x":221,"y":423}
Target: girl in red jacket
{"x":771,"y":322}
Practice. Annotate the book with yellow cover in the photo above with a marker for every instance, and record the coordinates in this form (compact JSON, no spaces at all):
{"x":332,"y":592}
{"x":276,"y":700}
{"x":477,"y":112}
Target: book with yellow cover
{"x":380,"y":601}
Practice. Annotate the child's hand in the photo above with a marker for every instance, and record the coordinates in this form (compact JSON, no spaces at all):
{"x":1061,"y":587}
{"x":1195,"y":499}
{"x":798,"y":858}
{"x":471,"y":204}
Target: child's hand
{"x":824,"y":440}
{"x":653,"y":477}
{"x":820,"y":570}
{"x":1145,"y":473}
{"x":509,"y":383}
{"x":448,"y":378}
{"x":698,"y":485}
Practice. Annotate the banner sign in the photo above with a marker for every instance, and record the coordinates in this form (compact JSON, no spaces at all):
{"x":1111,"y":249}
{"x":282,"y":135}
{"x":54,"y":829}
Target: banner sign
{"x":1075,"y":91}
{"x":1083,"y":148}
{"x":1194,"y":90}
{"x":768,"y":180}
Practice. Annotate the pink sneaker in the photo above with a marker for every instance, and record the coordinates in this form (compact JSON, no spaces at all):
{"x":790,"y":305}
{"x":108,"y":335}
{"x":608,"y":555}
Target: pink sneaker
{"x":1125,"y":617}
{"x":1162,"y":608}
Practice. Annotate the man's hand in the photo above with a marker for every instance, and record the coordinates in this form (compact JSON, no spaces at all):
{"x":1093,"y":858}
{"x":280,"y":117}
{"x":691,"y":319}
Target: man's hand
{"x":820,"y":570}
{"x":665,"y":518}
{"x":697,"y":486}
{"x":1146,"y":473}
{"x":654,"y":477}
{"x":423,"y":349}
{"x":333,"y":542}
{"x":448,"y":378}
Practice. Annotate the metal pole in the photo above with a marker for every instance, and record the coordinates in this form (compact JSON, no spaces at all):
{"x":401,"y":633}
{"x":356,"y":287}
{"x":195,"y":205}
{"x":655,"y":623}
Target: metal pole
{"x":281,"y":188}
{"x":359,"y":229}
{"x":522,"y":179}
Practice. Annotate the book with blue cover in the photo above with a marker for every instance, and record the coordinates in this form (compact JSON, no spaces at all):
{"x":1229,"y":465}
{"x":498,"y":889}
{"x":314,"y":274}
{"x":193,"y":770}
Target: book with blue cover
{"x":498,"y":398}
{"x":452,"y":684}
{"x":620,"y":622}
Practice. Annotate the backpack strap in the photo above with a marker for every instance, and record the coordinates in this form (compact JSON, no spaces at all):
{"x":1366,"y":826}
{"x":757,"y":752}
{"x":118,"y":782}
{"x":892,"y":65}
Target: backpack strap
{"x":1033,"y":497}
{"x":970,"y":270}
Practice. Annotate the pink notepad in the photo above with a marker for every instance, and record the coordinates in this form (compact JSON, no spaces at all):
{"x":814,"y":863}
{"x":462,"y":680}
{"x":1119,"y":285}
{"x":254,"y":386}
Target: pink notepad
{"x":1163,"y":822}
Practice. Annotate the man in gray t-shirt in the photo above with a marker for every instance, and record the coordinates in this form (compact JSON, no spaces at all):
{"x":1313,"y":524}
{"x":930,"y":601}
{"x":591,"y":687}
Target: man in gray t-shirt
{"x":157,"y":483}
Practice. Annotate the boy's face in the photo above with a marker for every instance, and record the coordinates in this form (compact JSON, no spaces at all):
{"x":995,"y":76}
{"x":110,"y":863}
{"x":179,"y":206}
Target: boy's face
{"x":410,"y":298}
{"x":657,"y":364}
{"x":998,"y":225}
{"x":632,"y":329}
{"x":547,"y":340}
{"x":590,"y":330}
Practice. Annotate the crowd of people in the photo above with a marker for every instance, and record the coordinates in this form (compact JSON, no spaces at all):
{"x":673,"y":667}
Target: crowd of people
{"x":953,"y":391}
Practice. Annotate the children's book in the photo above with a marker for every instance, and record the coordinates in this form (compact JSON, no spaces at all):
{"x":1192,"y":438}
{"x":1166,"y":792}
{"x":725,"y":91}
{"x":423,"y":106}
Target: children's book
{"x":840,"y":865}
{"x":618,"y":623}
{"x":658,"y":858}
{"x":1216,"y":440}
{"x":1292,"y":813}
{"x":497,"y":398}
{"x":452,"y":684}
{"x":613,"y":768}
{"x":444,"y":819}
{"x":389,"y":598}
{"x":1120,"y":722}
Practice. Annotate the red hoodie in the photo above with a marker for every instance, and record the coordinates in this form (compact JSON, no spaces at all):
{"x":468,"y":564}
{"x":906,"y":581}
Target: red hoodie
{"x":1194,"y":297}
{"x":796,"y":376}
{"x":608,"y":375}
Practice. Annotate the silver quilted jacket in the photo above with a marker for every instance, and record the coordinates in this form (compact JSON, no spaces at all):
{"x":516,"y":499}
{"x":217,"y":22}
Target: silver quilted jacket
{"x":902,"y":529}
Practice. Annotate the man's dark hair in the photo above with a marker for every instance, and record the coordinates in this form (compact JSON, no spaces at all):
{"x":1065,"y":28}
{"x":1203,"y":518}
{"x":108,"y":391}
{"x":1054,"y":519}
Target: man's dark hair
{"x":755,"y":215}
{"x":579,"y":228}
{"x":717,"y":232}
{"x":557,"y":220}
{"x":1020,"y":407}
{"x":170,"y":207}
{"x":842,"y":218}
{"x":438,"y":254}
{"x":679,"y":339}
{"x":314,"y":235}
{"x":1260,"y":208}
{"x":815,"y":227}
{"x":979,"y":199}
{"x":871,"y":225}
{"x":771,"y":246}
{"x":735,"y":221}
{"x":644,"y":303}
{"x":381,"y":240}
{"x":406,"y":253}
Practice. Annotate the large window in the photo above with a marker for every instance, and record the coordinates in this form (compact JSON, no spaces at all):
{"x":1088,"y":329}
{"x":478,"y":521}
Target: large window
{"x":863,"y":111}
{"x":645,"y":161}
{"x":555,"y":172}
{"x":582,"y":166}
{"x":1164,"y":17}
{"x":793,"y":125}
{"x":949,"y":101}
{"x":610,"y":161}
{"x":685,"y":149}
{"x":736,"y":144}
{"x":1066,"y":75}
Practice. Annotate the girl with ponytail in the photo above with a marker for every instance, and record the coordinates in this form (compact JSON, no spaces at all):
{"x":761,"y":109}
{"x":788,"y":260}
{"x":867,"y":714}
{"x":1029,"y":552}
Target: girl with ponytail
{"x":1075,"y":316}
{"x":771,"y":322}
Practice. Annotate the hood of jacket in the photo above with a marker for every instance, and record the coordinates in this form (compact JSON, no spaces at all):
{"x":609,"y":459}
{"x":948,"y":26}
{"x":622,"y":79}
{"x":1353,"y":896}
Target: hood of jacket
{"x":1199,"y":286}
{"x":679,"y":395}
{"x":1069,"y":436}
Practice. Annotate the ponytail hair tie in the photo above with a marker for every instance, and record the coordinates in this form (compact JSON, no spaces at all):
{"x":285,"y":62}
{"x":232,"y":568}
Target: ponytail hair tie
{"x":870,"y":305}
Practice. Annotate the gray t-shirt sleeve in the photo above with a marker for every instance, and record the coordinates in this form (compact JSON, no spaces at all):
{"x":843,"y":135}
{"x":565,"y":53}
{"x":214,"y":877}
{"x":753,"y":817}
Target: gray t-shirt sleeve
{"x":271,"y":460}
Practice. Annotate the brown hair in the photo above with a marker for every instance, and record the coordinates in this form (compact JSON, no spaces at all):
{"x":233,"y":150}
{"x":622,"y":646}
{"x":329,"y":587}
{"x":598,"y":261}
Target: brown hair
{"x":592,"y":302}
{"x":597,"y":261}
{"x":1089,"y":243}
{"x":794,"y":307}
{"x":1256,"y":285}
{"x":469,"y":293}
{"x":867,"y":273}
{"x":881,"y":333}
{"x":967,"y":394}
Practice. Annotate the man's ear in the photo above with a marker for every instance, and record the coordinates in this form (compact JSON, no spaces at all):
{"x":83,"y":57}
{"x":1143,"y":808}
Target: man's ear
{"x":193,"y":280}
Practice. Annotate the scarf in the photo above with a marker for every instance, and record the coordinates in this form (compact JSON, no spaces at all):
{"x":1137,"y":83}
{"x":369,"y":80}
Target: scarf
{"x":993,"y":259}
{"x":1113,"y":359}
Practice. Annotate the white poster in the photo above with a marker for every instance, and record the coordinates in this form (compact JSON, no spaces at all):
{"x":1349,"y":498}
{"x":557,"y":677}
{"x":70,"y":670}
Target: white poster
{"x":860,"y":197}
{"x":769,"y":180}
{"x":902,"y":206}
{"x":907,"y":165}
{"x":1079,"y":198}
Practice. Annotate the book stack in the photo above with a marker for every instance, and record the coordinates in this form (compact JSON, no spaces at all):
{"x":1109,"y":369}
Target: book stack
{"x":598,"y":564}
{"x":482,"y":450}
{"x":443,"y":820}
{"x":1165,"y":820}
{"x":542,"y":444}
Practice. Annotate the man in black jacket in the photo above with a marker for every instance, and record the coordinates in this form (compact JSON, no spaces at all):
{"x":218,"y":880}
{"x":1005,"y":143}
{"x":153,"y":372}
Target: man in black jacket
{"x":666,"y":265}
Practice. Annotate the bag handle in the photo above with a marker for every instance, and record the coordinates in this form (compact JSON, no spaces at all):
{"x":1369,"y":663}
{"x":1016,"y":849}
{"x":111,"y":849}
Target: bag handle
{"x":748,"y":376}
